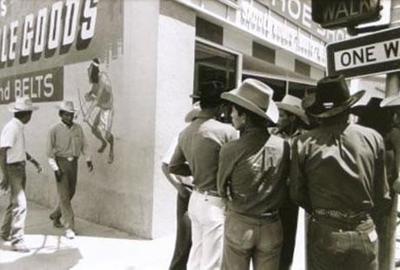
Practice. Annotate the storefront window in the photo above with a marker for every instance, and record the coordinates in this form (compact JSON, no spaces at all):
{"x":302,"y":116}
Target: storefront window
{"x":212,"y":63}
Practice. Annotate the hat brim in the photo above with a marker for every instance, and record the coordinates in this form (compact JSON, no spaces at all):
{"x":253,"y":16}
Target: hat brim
{"x":294,"y":110}
{"x":392,"y":101}
{"x":66,"y":110}
{"x":272,"y":112}
{"x":31,"y":109}
{"x":341,"y":108}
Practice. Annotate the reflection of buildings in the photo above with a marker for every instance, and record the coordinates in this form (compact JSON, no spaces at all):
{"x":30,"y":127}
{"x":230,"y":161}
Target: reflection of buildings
{"x":156,"y":54}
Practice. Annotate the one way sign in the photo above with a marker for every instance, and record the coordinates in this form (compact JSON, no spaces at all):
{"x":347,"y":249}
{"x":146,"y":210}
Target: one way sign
{"x":371,"y":54}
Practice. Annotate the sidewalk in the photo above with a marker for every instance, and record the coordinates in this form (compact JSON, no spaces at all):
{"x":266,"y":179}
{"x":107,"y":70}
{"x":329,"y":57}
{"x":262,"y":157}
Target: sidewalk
{"x":95,"y":247}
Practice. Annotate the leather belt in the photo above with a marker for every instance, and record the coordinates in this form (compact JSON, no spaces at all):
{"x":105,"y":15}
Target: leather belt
{"x":341,"y":215}
{"x":18,"y":163}
{"x":207,"y":192}
{"x":70,"y":159}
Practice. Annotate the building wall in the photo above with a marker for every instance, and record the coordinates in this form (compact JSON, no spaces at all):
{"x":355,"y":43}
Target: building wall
{"x":176,"y":41}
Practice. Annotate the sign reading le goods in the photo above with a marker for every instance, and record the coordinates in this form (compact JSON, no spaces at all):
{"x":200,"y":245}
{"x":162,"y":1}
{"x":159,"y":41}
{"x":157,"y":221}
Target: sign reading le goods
{"x":375,"y":53}
{"x":342,"y":13}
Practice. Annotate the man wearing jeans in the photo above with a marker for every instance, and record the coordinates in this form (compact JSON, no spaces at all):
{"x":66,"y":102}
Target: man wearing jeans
{"x":66,"y":143}
{"x":12,"y":161}
{"x":197,"y":154}
{"x":338,"y":176}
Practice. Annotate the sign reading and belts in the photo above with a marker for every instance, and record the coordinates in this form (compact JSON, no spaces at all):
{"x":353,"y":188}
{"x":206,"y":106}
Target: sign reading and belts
{"x":344,"y":13}
{"x":371,"y":54}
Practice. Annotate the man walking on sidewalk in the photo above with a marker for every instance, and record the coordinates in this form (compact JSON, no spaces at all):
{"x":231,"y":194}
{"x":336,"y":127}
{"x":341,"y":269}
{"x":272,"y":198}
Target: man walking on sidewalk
{"x":66,"y":143}
{"x":197,"y":154}
{"x":338,"y":176}
{"x":13,"y":157}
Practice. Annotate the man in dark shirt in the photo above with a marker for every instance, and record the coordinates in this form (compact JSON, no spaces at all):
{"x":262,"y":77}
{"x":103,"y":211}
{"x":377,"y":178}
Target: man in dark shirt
{"x":252,"y":177}
{"x":197,"y":154}
{"x":338,"y":176}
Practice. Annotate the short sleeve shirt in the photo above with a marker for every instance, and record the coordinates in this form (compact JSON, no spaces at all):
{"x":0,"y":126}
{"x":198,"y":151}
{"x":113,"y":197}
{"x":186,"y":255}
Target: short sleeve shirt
{"x":12,"y":137}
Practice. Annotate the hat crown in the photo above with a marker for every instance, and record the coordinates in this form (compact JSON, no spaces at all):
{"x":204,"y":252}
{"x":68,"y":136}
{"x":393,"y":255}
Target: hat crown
{"x":23,"y":103}
{"x":67,"y":105}
{"x":256,"y":92}
{"x":292,"y":101}
{"x":333,"y":90}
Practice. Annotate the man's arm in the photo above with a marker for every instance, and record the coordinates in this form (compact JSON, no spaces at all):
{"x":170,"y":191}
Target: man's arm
{"x":178,"y":164}
{"x":225,"y":167}
{"x":3,"y":161}
{"x":85,"y":151}
{"x":175,"y":181}
{"x":34,"y":162}
{"x":297,"y":179}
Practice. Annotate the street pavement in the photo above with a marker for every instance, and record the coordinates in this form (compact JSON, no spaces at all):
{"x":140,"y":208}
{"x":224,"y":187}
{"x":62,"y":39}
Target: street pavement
{"x":95,"y":247}
{"x":98,"y":247}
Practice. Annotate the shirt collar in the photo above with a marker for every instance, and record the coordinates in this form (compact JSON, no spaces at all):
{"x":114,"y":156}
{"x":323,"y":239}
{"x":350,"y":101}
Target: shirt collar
{"x":206,"y":114}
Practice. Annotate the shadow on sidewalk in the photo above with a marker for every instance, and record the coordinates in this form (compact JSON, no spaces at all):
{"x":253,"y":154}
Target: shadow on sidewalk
{"x":46,"y":256}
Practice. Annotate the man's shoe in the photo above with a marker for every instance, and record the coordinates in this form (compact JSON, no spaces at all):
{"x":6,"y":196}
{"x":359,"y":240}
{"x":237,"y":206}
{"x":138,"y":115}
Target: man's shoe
{"x":56,"y":221}
{"x":69,"y":234}
{"x":20,"y":247}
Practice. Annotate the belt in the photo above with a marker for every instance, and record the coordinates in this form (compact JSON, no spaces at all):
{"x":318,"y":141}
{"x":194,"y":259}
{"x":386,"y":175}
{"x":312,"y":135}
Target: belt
{"x":18,"y":163}
{"x":207,"y":192}
{"x":345,"y":216}
{"x":70,"y":159}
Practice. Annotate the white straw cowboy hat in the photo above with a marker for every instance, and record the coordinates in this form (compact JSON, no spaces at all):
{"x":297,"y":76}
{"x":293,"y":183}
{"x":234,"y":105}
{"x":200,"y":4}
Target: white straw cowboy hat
{"x":256,"y":97}
{"x":391,"y":101}
{"x":67,"y":106}
{"x":292,"y":104}
{"x":22,"y":104}
{"x":331,"y":97}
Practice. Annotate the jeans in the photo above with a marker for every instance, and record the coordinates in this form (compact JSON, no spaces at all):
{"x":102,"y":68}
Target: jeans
{"x":289,"y":214}
{"x":15,"y":215}
{"x":66,"y":190}
{"x":336,"y":245}
{"x":183,"y":240}
{"x":252,"y":239}
{"x":207,"y":217}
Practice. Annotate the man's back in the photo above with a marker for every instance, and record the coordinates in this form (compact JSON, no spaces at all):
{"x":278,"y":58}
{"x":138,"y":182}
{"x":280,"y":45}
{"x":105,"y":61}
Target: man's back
{"x":342,"y":166}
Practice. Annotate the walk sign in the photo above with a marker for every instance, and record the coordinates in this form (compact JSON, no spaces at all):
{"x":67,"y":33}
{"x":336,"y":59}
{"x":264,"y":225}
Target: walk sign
{"x":375,"y":53}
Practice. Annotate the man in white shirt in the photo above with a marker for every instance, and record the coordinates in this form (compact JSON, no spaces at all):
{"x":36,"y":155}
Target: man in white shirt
{"x":13,"y":157}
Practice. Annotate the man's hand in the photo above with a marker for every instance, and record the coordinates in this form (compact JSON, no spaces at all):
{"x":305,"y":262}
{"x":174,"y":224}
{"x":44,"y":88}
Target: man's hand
{"x":4,"y":184}
{"x":89,"y":164}
{"x":396,"y":185}
{"x":37,"y":165}
{"x":58,"y":174}
{"x":183,"y":190}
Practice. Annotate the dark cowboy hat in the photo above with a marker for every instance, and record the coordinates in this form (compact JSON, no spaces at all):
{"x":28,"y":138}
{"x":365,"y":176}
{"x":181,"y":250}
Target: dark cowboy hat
{"x":366,"y":104}
{"x":331,"y":97}
{"x":210,"y":92}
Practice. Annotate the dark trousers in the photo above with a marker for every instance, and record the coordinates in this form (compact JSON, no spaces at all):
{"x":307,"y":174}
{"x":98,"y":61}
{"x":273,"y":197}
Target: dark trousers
{"x":183,"y":241}
{"x":15,"y":215}
{"x":66,"y":190}
{"x":289,"y":215}
{"x":336,"y":245}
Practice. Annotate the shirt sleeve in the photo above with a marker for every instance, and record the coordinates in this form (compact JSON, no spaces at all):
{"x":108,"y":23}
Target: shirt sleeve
{"x":225,"y":169}
{"x":8,"y":136}
{"x":298,"y":180}
{"x":178,"y":164}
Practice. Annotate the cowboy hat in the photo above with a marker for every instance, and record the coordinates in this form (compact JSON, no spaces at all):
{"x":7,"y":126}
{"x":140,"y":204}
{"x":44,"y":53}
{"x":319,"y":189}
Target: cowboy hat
{"x":22,"y":104}
{"x":330,"y":98}
{"x":292,"y":104}
{"x":367,"y":104}
{"x":391,"y":101}
{"x":256,"y":97}
{"x":67,"y":106}
{"x":192,"y":114}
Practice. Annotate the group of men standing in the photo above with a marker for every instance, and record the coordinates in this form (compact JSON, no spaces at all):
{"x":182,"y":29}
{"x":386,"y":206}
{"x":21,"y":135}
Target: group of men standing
{"x":249,"y":179}
{"x":66,"y":142}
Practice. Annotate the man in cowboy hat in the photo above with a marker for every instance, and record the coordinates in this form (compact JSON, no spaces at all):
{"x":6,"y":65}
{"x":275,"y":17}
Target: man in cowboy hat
{"x":252,"y":177}
{"x":101,"y":98}
{"x":338,"y":176}
{"x":197,"y":154}
{"x":12,"y":161}
{"x":292,"y":120}
{"x":66,"y":142}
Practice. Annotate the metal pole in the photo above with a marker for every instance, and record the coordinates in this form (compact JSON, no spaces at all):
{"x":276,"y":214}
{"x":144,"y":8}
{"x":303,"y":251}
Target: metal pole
{"x":387,"y":226}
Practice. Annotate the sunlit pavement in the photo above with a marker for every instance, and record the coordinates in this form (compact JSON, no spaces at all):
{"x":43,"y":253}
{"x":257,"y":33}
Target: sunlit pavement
{"x":95,"y":247}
